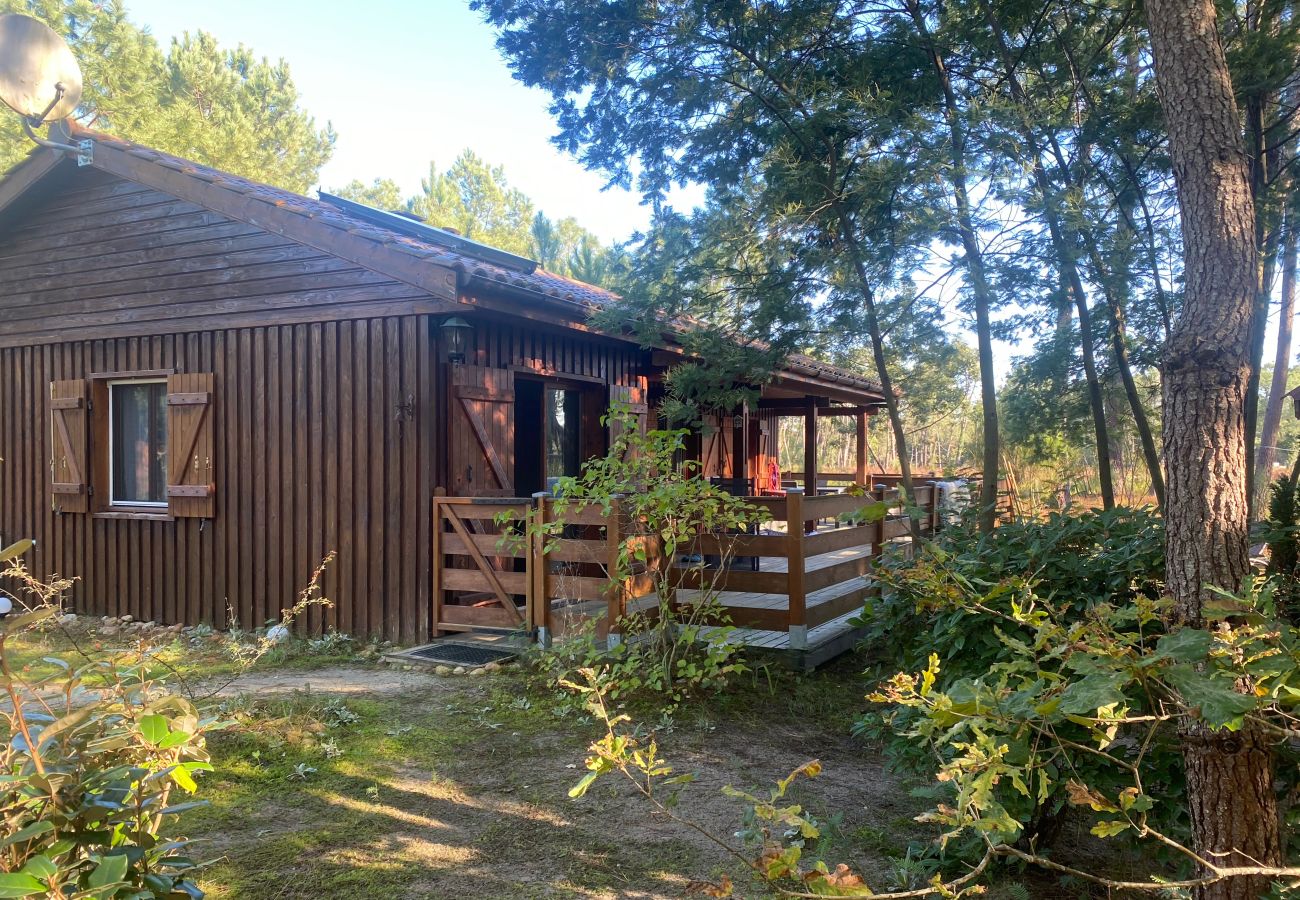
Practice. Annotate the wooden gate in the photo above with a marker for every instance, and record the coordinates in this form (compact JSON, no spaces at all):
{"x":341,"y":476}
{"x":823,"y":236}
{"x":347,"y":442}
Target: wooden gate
{"x":482,"y":569}
{"x":489,"y":573}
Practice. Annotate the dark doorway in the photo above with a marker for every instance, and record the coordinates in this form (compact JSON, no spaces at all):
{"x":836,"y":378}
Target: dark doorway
{"x":529,"y":451}
{"x":557,"y":428}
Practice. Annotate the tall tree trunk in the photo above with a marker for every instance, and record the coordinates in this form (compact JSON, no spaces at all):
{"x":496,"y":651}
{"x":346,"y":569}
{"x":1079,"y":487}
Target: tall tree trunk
{"x":1267,"y":454}
{"x":1064,"y":244}
{"x":1119,"y":345}
{"x":1263,"y":156}
{"x":1096,"y":401}
{"x":1115,"y":306}
{"x":849,"y":239}
{"x":973,"y":258}
{"x":1207,"y":368}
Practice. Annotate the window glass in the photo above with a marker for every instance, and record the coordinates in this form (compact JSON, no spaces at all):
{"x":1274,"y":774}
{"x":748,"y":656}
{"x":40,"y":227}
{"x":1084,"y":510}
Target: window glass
{"x":138,"y":442}
{"x":562,"y":421}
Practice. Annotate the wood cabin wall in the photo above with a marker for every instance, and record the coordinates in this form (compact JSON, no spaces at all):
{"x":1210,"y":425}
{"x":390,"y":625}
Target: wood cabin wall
{"x":324,"y":396}
{"x":312,"y":455}
{"x":330,"y":411}
{"x":95,"y":256}
{"x":530,"y":349}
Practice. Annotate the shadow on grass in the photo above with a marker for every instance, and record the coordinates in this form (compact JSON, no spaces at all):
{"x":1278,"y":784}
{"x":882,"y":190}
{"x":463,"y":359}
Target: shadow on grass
{"x":424,"y":800}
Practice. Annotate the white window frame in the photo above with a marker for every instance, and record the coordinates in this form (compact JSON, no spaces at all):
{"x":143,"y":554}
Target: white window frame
{"x":113,"y":502}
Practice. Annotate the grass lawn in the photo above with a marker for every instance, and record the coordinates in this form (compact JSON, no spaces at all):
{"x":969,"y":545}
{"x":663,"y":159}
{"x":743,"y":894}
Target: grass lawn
{"x":347,"y":779}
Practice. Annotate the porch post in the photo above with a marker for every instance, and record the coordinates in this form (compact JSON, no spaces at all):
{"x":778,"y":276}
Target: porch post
{"x":810,"y":449}
{"x":614,"y":600}
{"x":536,"y":578}
{"x":860,"y":470}
{"x":797,"y":626}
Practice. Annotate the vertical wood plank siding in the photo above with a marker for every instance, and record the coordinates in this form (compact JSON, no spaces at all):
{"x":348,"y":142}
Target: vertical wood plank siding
{"x":277,"y":414}
{"x":330,"y":414}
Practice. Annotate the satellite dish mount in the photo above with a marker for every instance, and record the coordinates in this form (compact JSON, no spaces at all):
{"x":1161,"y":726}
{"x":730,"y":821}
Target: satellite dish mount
{"x":40,"y":80}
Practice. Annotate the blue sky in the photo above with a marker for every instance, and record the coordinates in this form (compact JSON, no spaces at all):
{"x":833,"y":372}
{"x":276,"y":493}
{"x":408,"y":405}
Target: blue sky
{"x":403,"y":83}
{"x":409,"y":81}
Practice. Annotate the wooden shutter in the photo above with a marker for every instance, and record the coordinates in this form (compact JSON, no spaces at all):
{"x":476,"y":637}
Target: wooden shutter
{"x":634,"y":398}
{"x":69,"y":443}
{"x":481,"y":432}
{"x":717,"y":440}
{"x":191,"y":474}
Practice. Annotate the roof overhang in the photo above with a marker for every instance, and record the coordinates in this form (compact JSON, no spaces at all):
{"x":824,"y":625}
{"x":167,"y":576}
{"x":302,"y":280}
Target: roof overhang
{"x":452,"y":282}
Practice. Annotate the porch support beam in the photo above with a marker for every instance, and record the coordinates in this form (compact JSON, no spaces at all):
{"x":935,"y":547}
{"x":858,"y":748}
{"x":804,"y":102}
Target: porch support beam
{"x":860,"y":469}
{"x":810,"y":449}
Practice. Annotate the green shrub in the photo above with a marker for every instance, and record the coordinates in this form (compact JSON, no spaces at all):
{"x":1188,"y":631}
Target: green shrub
{"x":1281,"y":532}
{"x":662,"y":660}
{"x":1078,"y":561}
{"x":666,"y":650}
{"x":93,"y":756}
{"x":958,"y":602}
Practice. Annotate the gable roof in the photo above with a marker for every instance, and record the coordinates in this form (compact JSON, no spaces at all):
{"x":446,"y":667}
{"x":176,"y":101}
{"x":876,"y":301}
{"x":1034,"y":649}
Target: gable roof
{"x":328,"y":216}
{"x":395,"y":251}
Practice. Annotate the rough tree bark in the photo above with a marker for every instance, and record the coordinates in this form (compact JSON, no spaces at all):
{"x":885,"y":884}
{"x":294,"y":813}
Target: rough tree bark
{"x":1267,"y":454}
{"x":1207,"y":369}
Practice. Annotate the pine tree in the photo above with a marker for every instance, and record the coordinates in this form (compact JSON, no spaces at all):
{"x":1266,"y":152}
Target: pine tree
{"x":225,"y":108}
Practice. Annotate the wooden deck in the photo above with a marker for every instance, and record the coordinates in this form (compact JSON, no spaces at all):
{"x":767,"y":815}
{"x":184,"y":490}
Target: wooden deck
{"x":824,"y":641}
{"x":815,"y":563}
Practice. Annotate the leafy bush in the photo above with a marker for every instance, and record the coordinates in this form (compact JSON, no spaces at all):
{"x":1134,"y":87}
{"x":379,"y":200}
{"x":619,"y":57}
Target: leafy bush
{"x":91,"y":758}
{"x":667,"y":660}
{"x":958,"y":603}
{"x":1281,"y":532}
{"x":1051,"y":683}
{"x":667,"y":650}
{"x":1085,"y":711}
{"x":1110,"y":557}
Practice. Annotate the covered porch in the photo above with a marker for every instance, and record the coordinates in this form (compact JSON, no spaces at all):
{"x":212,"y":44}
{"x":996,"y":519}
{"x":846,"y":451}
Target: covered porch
{"x":792,"y":586}
{"x":795,"y":587}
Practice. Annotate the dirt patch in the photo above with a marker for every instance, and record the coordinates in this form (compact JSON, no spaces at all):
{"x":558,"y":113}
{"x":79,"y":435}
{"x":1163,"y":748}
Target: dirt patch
{"x":457,"y":787}
{"x":341,"y":680}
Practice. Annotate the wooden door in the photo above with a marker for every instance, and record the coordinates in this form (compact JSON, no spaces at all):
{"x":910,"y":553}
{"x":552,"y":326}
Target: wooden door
{"x":717,"y":447}
{"x":481,"y":432}
{"x":634,"y":398}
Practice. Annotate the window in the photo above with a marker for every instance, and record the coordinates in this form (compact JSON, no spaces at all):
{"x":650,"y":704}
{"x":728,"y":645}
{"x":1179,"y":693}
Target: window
{"x":137,"y":443}
{"x":563,"y":415}
{"x":134,"y":445}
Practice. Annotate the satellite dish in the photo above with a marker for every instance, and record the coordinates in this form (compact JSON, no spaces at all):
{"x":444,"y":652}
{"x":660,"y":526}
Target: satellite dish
{"x":39,"y":77}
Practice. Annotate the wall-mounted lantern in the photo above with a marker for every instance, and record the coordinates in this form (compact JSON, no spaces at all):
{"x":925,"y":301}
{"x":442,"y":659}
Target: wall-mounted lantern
{"x":456,"y":332}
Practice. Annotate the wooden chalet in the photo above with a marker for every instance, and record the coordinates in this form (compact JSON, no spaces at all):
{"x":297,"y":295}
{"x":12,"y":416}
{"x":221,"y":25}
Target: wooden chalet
{"x":207,"y":384}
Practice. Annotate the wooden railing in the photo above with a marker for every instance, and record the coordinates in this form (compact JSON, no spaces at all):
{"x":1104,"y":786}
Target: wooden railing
{"x":492,"y":570}
{"x":807,"y":573}
{"x":807,"y":564}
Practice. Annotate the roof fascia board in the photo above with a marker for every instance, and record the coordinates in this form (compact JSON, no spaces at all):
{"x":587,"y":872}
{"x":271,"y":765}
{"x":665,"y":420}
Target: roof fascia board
{"x":827,"y":389}
{"x":484,"y":292}
{"x":26,"y":175}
